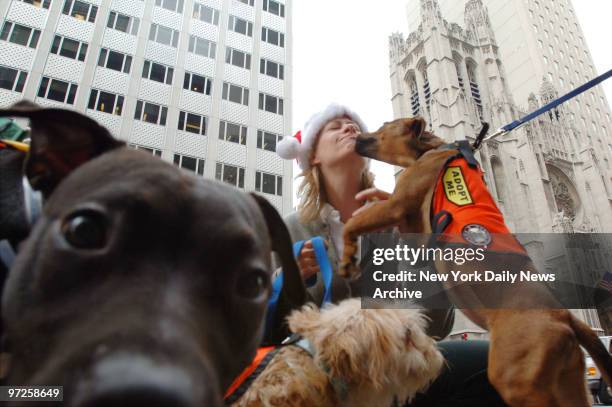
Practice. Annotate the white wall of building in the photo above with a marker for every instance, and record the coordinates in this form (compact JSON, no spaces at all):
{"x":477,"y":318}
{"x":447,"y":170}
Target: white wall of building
{"x":168,"y":139}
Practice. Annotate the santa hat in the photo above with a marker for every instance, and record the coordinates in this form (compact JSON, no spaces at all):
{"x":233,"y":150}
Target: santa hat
{"x":300,"y":146}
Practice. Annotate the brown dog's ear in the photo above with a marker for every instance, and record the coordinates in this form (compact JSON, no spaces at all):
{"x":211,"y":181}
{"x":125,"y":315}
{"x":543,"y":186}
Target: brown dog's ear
{"x":416,"y":127}
{"x":293,"y":293}
{"x":422,"y":139}
{"x":62,"y":140}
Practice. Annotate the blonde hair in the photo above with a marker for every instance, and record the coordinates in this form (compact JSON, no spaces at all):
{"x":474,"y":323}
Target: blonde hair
{"x":312,"y":190}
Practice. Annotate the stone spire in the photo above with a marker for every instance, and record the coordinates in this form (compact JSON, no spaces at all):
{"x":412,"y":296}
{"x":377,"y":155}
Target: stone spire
{"x":547,"y":91}
{"x":431,"y":16}
{"x":478,"y":23}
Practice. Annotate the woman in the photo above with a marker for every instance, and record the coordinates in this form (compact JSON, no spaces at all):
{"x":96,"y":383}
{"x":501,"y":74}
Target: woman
{"x":336,"y":184}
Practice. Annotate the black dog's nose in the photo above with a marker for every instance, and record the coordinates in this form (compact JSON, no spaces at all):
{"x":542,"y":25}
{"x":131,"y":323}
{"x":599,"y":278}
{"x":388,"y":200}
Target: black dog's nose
{"x":129,"y":380}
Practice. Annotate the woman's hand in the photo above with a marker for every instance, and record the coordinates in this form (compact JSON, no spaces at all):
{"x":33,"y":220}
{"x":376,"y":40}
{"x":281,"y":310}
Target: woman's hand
{"x":369,"y":197}
{"x":307,"y":261}
{"x":373,"y":196}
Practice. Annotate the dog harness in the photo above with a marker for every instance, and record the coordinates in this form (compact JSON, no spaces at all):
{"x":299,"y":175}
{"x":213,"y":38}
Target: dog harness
{"x":242,"y":383}
{"x":462,"y":207}
{"x":262,"y":359}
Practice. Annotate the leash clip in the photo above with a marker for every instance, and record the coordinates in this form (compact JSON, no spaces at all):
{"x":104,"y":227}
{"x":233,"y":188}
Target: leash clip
{"x":481,"y":136}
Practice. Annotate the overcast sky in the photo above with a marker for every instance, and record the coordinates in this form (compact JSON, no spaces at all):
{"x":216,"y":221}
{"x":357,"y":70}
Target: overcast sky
{"x":340,"y":53}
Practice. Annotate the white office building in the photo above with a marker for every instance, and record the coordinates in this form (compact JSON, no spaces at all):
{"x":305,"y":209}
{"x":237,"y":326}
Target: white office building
{"x":205,"y":84}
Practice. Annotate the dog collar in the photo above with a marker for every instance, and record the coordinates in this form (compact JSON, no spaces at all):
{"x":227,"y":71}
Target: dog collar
{"x":340,"y":386}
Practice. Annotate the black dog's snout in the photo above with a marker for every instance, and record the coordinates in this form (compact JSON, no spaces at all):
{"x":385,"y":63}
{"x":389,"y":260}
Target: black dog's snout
{"x":138,"y":381}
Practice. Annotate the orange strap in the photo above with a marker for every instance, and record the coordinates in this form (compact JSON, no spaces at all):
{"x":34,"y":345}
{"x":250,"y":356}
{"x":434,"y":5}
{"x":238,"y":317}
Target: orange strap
{"x":248,"y":371}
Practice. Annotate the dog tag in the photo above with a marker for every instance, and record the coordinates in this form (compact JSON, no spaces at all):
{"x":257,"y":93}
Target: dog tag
{"x":476,"y":234}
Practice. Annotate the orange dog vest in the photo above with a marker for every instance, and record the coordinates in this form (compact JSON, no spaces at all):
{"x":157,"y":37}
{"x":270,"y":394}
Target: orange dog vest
{"x":463,"y":209}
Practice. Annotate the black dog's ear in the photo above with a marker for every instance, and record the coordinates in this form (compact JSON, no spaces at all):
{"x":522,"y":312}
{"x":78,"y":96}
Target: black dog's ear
{"x":293,"y":294}
{"x":62,"y":140}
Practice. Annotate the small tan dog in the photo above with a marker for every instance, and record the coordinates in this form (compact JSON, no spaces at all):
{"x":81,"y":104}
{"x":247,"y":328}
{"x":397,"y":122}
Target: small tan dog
{"x":362,"y":357}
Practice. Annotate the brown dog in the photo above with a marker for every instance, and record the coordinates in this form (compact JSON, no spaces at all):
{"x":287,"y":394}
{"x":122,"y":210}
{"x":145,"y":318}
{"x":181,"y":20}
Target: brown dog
{"x":361,"y":358}
{"x":528,"y":335}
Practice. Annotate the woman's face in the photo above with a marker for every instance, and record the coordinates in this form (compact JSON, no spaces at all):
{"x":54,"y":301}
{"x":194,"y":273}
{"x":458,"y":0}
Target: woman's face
{"x":336,"y":144}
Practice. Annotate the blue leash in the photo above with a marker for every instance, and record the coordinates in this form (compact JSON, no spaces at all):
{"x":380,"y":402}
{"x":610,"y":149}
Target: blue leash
{"x":326,"y":273}
{"x":549,"y":106}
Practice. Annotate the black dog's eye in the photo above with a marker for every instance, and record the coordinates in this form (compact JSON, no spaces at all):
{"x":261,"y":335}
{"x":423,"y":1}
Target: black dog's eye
{"x":85,"y":230}
{"x":252,"y":284}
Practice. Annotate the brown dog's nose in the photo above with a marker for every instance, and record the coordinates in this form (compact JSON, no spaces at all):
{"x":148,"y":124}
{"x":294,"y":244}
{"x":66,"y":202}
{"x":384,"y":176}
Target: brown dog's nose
{"x":365,"y":145}
{"x":137,"y":381}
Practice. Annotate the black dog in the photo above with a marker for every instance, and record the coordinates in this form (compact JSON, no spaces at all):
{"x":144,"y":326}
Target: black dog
{"x":141,"y":284}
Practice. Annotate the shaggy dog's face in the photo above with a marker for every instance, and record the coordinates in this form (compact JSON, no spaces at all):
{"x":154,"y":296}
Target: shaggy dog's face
{"x":378,"y":353}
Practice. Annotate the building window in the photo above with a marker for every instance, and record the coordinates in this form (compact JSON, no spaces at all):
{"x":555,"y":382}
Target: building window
{"x":12,"y":79}
{"x":268,"y":183}
{"x":475,"y":90}
{"x":269,"y":103}
{"x":272,"y":69}
{"x":123,"y":23}
{"x":38,"y":3}
{"x":57,"y":90}
{"x":192,"y":123}
{"x":115,"y":60}
{"x":164,"y":35}
{"x":426,"y":89}
{"x":150,"y":113}
{"x":272,"y":37}
{"x":19,"y":34}
{"x":105,"y":102}
{"x":207,"y":14}
{"x":235,"y":93}
{"x":235,"y":133}
{"x":69,"y":48}
{"x":80,"y":10}
{"x":230,"y":174}
{"x":238,"y":58}
{"x":197,"y":83}
{"x":247,"y":2}
{"x":150,"y":150}
{"x":240,"y":26}
{"x":268,"y":141}
{"x":157,"y":72}
{"x":415,"y":102}
{"x":274,"y":7}
{"x":195,"y":165}
{"x":172,"y":5}
{"x":202,"y":47}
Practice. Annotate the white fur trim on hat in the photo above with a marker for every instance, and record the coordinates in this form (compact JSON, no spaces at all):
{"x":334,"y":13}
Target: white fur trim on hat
{"x":290,"y":148}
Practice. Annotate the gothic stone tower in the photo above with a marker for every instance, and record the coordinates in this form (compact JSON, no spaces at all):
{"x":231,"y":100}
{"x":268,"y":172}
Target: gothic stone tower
{"x":542,"y":176}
